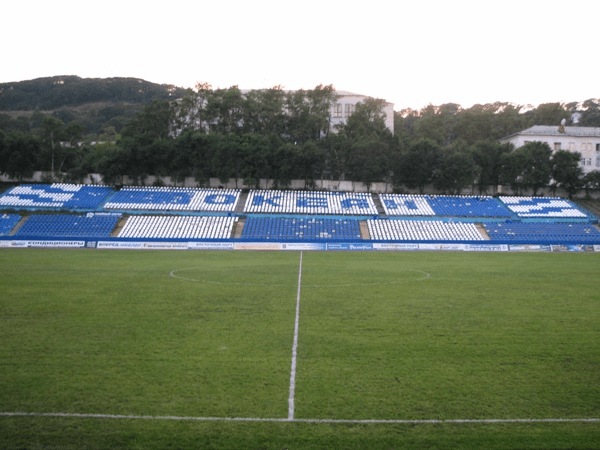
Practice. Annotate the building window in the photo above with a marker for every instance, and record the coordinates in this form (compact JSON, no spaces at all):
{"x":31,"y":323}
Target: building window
{"x":597,"y":162}
{"x":556,"y":146}
{"x":337,"y":110}
{"x":598,"y":148}
{"x":572,"y":146}
{"x":349,"y":110}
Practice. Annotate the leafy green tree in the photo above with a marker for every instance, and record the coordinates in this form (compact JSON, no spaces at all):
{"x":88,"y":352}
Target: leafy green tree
{"x":455,"y":170}
{"x":154,"y":122}
{"x":417,"y":164}
{"x":263,"y":112}
{"x":112,"y":162}
{"x":224,"y":110}
{"x":487,"y":155}
{"x":591,"y":181}
{"x":20,"y":154}
{"x":437,"y":123}
{"x":52,"y":132}
{"x":590,"y":116}
{"x":566,"y":172}
{"x":549,"y":114}
{"x":528,"y":166}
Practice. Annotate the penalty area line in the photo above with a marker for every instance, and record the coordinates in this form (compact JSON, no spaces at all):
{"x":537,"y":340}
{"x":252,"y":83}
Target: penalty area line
{"x":325,"y":421}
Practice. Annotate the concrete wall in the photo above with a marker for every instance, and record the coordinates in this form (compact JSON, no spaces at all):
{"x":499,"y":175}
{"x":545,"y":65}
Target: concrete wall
{"x":320,"y":185}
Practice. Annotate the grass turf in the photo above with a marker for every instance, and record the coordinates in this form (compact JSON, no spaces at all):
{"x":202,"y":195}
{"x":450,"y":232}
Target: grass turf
{"x":382,"y":336}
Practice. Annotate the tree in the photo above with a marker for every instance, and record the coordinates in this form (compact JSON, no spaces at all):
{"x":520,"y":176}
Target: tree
{"x":416,"y":165}
{"x":263,"y":111}
{"x":368,"y":120}
{"x":566,"y":172}
{"x":591,"y":181}
{"x":528,"y":166}
{"x":455,"y":170}
{"x":487,"y":155}
{"x":153,"y":122}
{"x":52,"y":128}
{"x":20,"y":154}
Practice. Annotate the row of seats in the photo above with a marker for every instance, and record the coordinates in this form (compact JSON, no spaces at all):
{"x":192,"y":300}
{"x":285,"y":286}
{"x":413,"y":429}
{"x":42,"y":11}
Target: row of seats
{"x":422,"y":230}
{"x":292,"y":202}
{"x":8,"y":222}
{"x":298,"y":228}
{"x":57,"y":195}
{"x":183,"y":227}
{"x":543,"y":231}
{"x":69,"y":225}
{"x":441,"y":205}
{"x":174,"y":199}
{"x":542,"y":207}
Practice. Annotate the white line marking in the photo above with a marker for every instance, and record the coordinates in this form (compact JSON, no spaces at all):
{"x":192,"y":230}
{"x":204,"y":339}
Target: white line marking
{"x":175,"y":274}
{"x":295,"y":347}
{"x":330,"y":421}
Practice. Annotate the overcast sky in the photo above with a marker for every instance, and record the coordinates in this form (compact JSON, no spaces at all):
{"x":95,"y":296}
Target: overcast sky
{"x":410,"y":53}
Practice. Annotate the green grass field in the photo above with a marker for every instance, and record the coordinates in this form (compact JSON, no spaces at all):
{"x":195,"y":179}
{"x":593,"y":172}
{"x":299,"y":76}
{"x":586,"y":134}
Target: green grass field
{"x":189,"y":340}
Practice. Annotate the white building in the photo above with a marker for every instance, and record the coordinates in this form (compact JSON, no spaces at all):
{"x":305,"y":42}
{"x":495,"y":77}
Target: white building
{"x":585,"y":140}
{"x":346,"y":104}
{"x":340,"y":111}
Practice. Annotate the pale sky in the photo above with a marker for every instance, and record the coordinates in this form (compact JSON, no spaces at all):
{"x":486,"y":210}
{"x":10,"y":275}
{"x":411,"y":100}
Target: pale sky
{"x":410,"y":53}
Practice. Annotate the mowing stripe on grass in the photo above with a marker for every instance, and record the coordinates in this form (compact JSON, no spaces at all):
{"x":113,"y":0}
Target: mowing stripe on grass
{"x":295,"y":346}
{"x":329,"y":421}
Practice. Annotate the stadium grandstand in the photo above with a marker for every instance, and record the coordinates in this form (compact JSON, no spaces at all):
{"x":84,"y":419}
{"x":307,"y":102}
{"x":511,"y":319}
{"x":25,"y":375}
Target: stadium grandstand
{"x":54,"y":196}
{"x":134,"y":214}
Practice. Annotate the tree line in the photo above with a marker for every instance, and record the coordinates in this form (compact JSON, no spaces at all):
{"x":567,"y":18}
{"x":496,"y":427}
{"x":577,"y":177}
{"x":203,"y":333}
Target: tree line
{"x":283,"y":135}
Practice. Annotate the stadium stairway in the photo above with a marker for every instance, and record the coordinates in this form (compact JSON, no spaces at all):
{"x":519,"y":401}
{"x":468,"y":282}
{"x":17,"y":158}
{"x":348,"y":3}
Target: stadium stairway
{"x":379,"y":206}
{"x":364,"y":230}
{"x":238,"y":227}
{"x":18,"y":225}
{"x":239,"y":208}
{"x":483,"y":231}
{"x":120,"y":224}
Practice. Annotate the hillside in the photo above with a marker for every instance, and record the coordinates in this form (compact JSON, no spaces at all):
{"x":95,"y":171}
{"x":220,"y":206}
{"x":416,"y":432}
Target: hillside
{"x":93,"y":102}
{"x":52,"y":93}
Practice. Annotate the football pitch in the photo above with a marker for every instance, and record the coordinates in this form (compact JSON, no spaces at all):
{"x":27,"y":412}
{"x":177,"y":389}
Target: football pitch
{"x":160,"y":349}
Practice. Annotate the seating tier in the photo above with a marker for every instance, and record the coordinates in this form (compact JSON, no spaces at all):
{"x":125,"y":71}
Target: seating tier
{"x":174,"y":199}
{"x":69,"y":225}
{"x":300,"y":228}
{"x":55,"y":196}
{"x":542,"y":207}
{"x":443,"y":206}
{"x":422,"y":230}
{"x":317,"y":203}
{"x":182,"y":227}
{"x":543,"y":232}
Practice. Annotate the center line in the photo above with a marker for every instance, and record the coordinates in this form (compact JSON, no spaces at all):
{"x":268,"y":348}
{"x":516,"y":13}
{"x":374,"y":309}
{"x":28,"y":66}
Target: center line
{"x":295,"y":347}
